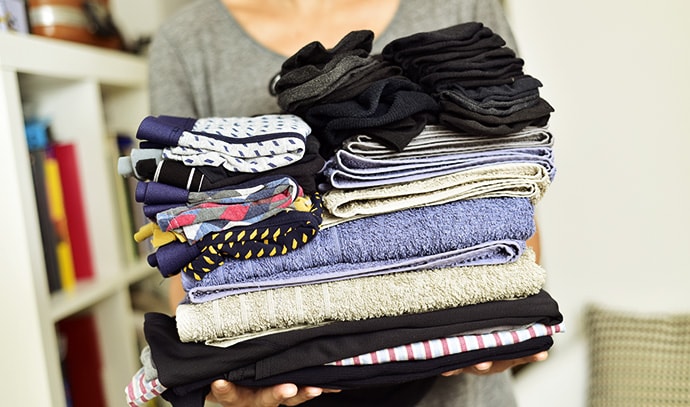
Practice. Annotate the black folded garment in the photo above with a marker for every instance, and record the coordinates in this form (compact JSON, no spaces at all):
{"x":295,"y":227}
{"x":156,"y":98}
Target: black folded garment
{"x":186,"y":367}
{"x":465,"y":36}
{"x":206,"y":178}
{"x":386,"y":374}
{"x":348,"y":87}
{"x":314,"y":55}
{"x":381,"y":104}
{"x":457,"y":117}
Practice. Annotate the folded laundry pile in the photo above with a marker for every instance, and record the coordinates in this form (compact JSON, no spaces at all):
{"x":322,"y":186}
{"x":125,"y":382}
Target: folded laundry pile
{"x":370,"y":236}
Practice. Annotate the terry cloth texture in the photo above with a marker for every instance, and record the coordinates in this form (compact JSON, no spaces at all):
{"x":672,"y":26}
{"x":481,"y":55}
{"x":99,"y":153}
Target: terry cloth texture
{"x":347,"y":171}
{"x":493,"y":252}
{"x":276,"y":235}
{"x":637,"y":359}
{"x":240,"y":144}
{"x":359,"y":298}
{"x":440,"y":140}
{"x":418,"y":235}
{"x":517,"y":180}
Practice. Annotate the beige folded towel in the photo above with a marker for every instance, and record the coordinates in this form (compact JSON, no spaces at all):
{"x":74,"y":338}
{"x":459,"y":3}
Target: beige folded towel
{"x":525,"y":180}
{"x":359,"y":298}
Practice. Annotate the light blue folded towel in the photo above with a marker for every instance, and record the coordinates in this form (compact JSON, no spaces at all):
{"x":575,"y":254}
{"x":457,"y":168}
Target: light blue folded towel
{"x":347,"y":171}
{"x":495,"y":252}
{"x":375,"y":242}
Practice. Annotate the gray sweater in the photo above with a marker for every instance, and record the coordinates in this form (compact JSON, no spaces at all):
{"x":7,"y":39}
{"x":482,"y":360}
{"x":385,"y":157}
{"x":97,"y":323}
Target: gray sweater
{"x":203,"y":64}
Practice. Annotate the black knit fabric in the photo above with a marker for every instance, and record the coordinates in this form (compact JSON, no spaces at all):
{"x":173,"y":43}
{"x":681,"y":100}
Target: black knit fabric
{"x":205,"y":178}
{"x":384,"y":103}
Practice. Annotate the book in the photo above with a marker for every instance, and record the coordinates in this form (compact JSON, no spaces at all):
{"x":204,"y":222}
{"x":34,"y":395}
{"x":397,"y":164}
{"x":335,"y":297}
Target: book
{"x":58,"y":217}
{"x":82,"y":364}
{"x":49,"y":239}
{"x":37,"y":141}
{"x":73,"y":199}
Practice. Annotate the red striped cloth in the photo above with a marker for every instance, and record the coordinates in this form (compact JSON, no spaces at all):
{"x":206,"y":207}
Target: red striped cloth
{"x":440,"y":347}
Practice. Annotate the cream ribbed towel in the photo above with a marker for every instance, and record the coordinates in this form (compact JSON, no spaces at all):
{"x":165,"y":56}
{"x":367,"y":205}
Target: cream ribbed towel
{"x":359,"y":298}
{"x":526,"y":180}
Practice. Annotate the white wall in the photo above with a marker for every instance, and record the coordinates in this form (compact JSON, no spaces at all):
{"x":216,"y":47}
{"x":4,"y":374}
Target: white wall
{"x":615,"y":223}
{"x":137,"y":18}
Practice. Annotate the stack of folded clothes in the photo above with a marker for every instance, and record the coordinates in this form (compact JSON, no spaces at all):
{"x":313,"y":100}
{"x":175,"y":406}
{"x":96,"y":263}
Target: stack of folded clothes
{"x":414,"y":261}
{"x":239,"y":176}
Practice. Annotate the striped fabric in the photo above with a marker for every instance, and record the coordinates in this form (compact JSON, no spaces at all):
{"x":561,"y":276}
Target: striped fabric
{"x":436,"y":348}
{"x":140,"y":391}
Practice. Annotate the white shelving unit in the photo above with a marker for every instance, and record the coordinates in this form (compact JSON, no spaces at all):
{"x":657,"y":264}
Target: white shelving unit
{"x":88,"y":93}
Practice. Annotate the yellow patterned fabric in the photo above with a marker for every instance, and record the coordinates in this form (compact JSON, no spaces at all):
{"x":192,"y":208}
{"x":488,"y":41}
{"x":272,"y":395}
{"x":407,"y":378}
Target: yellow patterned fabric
{"x":638,"y":360}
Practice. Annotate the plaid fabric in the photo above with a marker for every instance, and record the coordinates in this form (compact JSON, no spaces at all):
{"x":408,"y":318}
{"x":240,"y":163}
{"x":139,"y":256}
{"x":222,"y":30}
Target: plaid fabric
{"x":240,"y":207}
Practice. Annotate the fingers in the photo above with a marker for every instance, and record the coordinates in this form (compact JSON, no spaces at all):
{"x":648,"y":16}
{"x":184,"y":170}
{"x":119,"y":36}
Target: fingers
{"x":489,"y":367}
{"x":229,"y":394}
{"x":278,"y":394}
{"x":302,"y":395}
{"x":541,"y":356}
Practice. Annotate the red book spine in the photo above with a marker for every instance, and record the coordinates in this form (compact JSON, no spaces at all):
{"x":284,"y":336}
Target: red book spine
{"x":77,"y":223}
{"x":82,"y":360}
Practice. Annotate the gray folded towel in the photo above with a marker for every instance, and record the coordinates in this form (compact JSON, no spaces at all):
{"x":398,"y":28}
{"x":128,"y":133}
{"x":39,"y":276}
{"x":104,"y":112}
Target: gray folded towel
{"x":440,"y":140}
{"x":525,"y":180}
{"x":359,"y":298}
{"x":349,"y":171}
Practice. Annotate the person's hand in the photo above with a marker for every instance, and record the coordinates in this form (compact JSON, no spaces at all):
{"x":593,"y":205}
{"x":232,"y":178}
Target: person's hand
{"x":228,"y":394}
{"x":498,"y":366}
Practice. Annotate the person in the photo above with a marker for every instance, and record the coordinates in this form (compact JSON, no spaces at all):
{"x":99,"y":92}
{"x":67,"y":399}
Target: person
{"x":217,"y":57}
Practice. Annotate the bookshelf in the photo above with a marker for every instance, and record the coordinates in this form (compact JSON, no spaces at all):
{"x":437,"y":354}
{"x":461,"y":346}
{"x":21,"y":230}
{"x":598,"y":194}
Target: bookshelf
{"x":89,"y":94}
